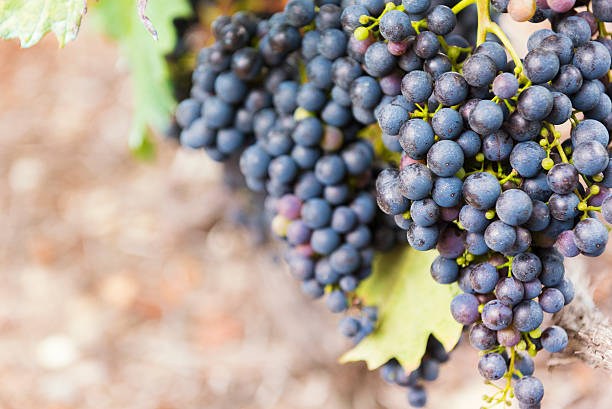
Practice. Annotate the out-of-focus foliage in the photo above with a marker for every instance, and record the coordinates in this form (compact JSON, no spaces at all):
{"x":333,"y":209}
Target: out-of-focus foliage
{"x":152,"y":88}
{"x":30,"y":20}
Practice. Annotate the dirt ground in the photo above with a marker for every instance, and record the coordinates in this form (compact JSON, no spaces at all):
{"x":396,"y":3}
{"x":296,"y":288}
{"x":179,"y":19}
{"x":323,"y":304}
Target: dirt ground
{"x":123,"y":284}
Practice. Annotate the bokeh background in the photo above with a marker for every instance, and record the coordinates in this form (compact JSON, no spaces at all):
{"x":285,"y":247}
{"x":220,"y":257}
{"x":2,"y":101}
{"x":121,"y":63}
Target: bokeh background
{"x":129,"y":284}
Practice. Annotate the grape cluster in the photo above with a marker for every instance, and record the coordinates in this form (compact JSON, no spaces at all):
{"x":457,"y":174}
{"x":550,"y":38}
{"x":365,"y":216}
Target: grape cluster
{"x":472,"y":162}
{"x":485,"y":179}
{"x":226,"y":92}
{"x":392,"y":372}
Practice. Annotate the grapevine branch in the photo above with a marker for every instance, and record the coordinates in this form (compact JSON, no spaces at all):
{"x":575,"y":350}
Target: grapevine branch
{"x":588,"y":329}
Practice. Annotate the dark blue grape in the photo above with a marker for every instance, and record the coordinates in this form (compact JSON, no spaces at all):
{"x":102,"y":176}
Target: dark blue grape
{"x":554,"y":339}
{"x":445,"y":158}
{"x":509,"y":291}
{"x":324,"y":241}
{"x":217,"y":113}
{"x":483,"y":278}
{"x":470,"y":143}
{"x":472,"y":219}
{"x":395,"y":25}
{"x":481,"y":190}
{"x":426,"y":45}
{"x":505,"y":85}
{"x":568,"y":80}
{"x":344,"y":71}
{"x":496,"y":316}
{"x":389,"y":192}
{"x":527,"y":316}
{"x":197,"y":135}
{"x":576,"y":28}
{"x":423,"y":238}
{"x":365,"y":92}
{"x":602,"y":109}
{"x":563,"y":207}
{"x":450,"y":89}
{"x":514,"y":207}
{"x":441,"y":20}
{"x":475,"y":244}
{"x":495,"y":51}
{"x":312,"y":288}
{"x":330,"y":169}
{"x":308,"y":186}
{"x":416,"y":6}
{"x":316,"y":213}
{"x":590,"y":158}
{"x":378,"y":61}
{"x":319,"y":72}
{"x":551,"y":300}
{"x":350,"y":17}
{"x":305,"y":157}
{"x":535,"y":103}
{"x":416,"y":181}
{"x":592,"y":59}
{"x":310,"y":97}
{"x":282,"y":169}
{"x":437,"y":65}
{"x":492,"y":366}
{"x":561,"y":110}
{"x":529,"y":390}
{"x":482,"y":338}
{"x":391,"y":119}
{"x":526,"y":267}
{"x":464,"y":308}
{"x":417,"y":397}
{"x":479,"y":70}
{"x":526,"y":158}
{"x":562,"y":178}
{"x":349,"y":326}
{"x":541,"y":65}
{"x":358,"y":157}
{"x":587,"y":97}
{"x":359,"y":238}
{"x":590,"y":235}
{"x":540,"y":217}
{"x":336,"y":301}
{"x":424,"y":212}
{"x":335,"y":114}
{"x":499,"y":236}
{"x":345,"y":259}
{"x":444,"y":270}
{"x":416,"y":138}
{"x":229,"y":140}
{"x":521,"y":129}
{"x":447,"y":123}
{"x":497,"y":146}
{"x":446,"y":192}
{"x":417,"y":86}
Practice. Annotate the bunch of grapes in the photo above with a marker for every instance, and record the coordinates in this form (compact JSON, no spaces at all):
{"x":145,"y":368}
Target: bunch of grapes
{"x":480,"y":171}
{"x":486,"y":179}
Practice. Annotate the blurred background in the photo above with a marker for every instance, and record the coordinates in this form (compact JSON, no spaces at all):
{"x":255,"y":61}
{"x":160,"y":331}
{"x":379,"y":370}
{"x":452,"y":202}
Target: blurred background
{"x":134,"y":285}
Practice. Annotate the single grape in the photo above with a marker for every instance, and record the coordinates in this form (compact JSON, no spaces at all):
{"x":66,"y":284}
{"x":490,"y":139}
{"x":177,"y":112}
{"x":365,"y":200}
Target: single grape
{"x":554,"y":339}
{"x":464,"y":308}
{"x":492,"y":366}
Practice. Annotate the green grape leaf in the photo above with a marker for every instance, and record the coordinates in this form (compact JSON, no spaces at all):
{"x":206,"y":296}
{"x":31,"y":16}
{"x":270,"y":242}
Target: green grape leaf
{"x":151,"y":84}
{"x":30,"y":20}
{"x":411,"y":306}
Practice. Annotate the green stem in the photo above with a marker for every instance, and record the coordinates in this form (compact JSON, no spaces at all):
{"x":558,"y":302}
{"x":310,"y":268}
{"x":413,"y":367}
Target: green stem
{"x":485,"y":25}
{"x":461,"y":5}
